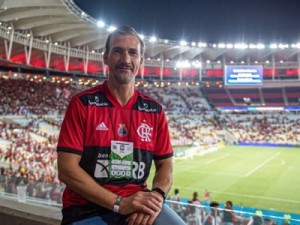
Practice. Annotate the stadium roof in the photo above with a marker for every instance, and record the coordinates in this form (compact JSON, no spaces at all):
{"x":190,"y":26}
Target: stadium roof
{"x":64,"y":23}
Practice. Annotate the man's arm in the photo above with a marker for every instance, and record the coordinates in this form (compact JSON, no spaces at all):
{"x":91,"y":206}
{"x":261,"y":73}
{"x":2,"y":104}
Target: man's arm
{"x":163,"y":177}
{"x":82,"y":183}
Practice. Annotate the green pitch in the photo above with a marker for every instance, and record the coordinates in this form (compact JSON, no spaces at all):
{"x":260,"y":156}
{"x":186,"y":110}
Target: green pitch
{"x":259,"y":177}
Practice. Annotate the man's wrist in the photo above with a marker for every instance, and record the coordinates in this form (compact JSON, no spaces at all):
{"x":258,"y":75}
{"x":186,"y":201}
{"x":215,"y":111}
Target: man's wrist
{"x":116,"y":207}
{"x":161,"y":192}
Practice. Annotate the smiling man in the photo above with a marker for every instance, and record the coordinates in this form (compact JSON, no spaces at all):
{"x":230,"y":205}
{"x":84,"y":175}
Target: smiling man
{"x":109,"y":137}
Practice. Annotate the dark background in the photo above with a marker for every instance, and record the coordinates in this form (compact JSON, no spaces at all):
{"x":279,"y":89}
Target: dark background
{"x":211,"y":21}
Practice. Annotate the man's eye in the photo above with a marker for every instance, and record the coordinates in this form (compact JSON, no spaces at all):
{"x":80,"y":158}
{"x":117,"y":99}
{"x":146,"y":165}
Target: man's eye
{"x":134,"y":53}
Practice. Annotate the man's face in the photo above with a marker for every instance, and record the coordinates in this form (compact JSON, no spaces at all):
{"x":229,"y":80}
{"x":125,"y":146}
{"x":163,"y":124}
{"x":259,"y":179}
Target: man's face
{"x":124,"y":58}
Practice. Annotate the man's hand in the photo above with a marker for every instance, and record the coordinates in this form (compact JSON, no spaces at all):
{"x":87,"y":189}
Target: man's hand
{"x":142,"y":218}
{"x":141,"y":202}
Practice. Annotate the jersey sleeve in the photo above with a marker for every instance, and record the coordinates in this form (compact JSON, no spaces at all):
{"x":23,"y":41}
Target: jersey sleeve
{"x":71,"y":137}
{"x":163,"y":147}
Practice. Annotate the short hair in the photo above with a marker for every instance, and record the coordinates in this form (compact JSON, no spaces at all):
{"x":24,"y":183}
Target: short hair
{"x":214,"y":204}
{"x":124,"y":30}
{"x":229,"y":203}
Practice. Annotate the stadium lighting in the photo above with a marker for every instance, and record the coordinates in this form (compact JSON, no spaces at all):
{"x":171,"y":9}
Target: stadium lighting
{"x":111,"y":28}
{"x":297,"y":45}
{"x":208,"y":61}
{"x":153,"y":39}
{"x":260,"y":46}
{"x":193,"y":44}
{"x":221,"y":45}
{"x":202,"y":45}
{"x":231,"y":61}
{"x":214,"y":45}
{"x":142,"y":36}
{"x":166,"y":41}
{"x":267,"y":61}
{"x":183,"y":43}
{"x":240,"y":46}
{"x":100,"y":24}
{"x":197,"y":64}
{"x":183,"y":64}
{"x":256,"y":62}
{"x":273,"y":46}
{"x":283,"y":46}
{"x":229,"y":46}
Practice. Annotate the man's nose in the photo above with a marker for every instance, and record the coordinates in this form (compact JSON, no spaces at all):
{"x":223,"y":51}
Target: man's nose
{"x":125,"y":57}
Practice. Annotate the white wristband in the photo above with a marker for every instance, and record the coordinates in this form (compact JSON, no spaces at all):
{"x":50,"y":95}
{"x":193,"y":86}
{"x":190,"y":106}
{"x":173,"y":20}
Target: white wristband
{"x":116,"y":208}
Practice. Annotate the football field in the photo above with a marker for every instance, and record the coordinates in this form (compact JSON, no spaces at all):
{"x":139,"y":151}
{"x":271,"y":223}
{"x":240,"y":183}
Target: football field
{"x":259,"y":177}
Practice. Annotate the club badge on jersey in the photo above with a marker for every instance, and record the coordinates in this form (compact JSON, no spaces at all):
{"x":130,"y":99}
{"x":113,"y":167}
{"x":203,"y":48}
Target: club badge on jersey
{"x":121,"y":158}
{"x":122,"y":130}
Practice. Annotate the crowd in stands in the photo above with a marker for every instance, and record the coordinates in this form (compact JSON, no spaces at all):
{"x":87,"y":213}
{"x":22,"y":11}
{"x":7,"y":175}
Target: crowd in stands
{"x":273,"y":128}
{"x":208,"y":212}
{"x":28,"y":153}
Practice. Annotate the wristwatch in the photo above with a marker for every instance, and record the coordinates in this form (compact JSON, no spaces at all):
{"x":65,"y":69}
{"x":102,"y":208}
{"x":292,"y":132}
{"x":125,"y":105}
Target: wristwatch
{"x":161,"y":192}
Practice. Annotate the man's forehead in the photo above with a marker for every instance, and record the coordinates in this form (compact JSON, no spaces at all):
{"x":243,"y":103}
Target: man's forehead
{"x":125,"y":40}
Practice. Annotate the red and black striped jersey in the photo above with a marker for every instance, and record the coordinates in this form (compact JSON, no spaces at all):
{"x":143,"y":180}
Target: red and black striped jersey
{"x":94,"y":118}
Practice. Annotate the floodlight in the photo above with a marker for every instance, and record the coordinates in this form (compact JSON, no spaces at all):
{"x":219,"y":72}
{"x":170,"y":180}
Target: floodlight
{"x":111,"y":28}
{"x":142,"y":36}
{"x":100,"y":23}
{"x":273,"y":46}
{"x":153,"y":39}
{"x":221,"y":45}
{"x":260,"y":46}
{"x":240,"y":46}
{"x":183,"y":43}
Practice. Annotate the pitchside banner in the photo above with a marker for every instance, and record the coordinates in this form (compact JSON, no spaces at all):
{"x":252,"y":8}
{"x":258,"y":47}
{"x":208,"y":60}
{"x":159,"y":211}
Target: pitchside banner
{"x":243,"y":75}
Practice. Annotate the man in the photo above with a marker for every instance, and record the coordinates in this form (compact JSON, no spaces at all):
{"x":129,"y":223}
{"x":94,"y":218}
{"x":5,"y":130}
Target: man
{"x":229,"y":215}
{"x":108,"y":139}
{"x":176,"y":204}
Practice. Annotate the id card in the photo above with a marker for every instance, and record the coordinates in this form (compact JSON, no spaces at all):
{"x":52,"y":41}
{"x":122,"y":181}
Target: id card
{"x":121,"y":158}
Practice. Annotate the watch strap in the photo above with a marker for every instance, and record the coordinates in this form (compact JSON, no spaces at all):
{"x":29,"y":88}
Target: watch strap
{"x":161,"y":192}
{"x":116,"y":208}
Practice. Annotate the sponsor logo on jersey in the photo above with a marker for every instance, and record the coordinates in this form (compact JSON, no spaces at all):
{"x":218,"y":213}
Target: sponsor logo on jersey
{"x":96,"y":101}
{"x":122,"y":130}
{"x":145,"y":132}
{"x":146,"y":108}
{"x":101,"y":126}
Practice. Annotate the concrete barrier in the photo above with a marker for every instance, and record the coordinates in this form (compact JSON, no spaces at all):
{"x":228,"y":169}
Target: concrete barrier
{"x":16,"y":213}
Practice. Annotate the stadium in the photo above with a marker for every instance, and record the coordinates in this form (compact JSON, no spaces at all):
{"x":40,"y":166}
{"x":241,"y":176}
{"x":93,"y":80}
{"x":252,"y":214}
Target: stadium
{"x":233,"y":111}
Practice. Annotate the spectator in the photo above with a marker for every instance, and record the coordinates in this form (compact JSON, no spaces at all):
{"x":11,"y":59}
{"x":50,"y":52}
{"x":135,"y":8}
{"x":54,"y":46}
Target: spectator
{"x":229,"y":216}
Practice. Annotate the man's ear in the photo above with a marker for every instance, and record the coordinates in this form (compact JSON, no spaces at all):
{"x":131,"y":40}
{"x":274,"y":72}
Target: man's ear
{"x":105,"y":58}
{"x":141,"y":62}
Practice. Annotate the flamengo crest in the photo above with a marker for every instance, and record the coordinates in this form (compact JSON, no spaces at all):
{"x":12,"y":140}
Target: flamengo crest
{"x":145,"y":132}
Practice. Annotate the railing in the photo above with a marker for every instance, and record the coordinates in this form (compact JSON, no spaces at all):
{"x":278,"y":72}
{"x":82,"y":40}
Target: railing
{"x":193,"y":213}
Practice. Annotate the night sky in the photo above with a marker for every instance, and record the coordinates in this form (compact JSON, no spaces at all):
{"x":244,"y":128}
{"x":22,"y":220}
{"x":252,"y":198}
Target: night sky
{"x":210,"y":21}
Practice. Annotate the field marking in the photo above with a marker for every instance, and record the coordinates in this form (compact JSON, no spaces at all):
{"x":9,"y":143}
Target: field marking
{"x":261,"y":165}
{"x":217,"y":173}
{"x":248,"y":196}
{"x":216,"y":159}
